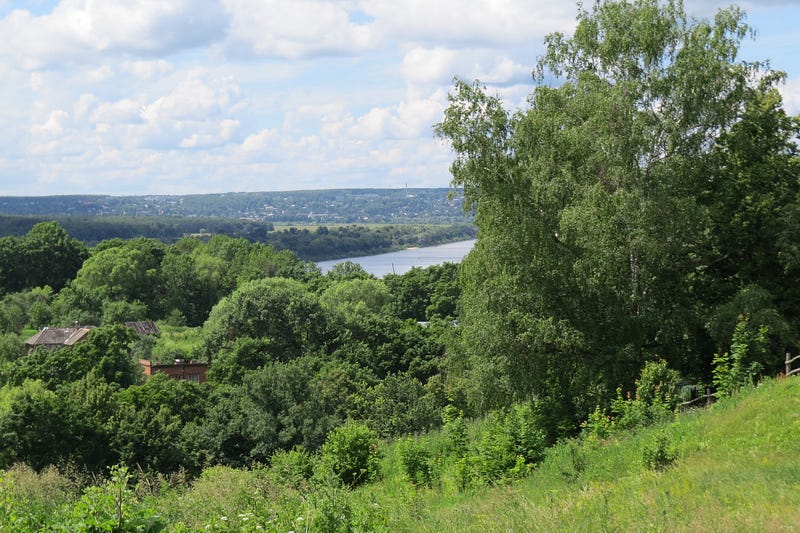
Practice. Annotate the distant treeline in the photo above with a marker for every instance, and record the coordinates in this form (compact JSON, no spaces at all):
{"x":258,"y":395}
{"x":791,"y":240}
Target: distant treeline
{"x":316,"y":244}
{"x":335,"y":206}
{"x":94,"y":229}
{"x":349,"y":241}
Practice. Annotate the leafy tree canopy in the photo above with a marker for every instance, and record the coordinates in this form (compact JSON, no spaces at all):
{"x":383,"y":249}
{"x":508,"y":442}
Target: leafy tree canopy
{"x":615,"y":209}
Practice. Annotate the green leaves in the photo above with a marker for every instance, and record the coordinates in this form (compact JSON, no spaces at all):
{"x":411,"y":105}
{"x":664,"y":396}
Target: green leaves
{"x":609,"y":207}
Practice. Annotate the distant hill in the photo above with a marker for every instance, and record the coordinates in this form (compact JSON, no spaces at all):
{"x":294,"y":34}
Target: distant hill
{"x":335,"y":206}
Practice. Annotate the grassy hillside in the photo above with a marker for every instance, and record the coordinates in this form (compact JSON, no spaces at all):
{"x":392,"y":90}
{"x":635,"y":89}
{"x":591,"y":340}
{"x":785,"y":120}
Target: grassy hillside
{"x":732,"y":467}
{"x":737,"y":469}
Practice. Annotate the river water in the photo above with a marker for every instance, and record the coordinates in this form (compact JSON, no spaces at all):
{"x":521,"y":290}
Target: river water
{"x":404,"y":260}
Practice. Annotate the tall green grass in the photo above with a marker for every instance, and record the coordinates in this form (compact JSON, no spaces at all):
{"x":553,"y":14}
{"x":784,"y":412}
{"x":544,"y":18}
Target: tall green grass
{"x":737,"y":469}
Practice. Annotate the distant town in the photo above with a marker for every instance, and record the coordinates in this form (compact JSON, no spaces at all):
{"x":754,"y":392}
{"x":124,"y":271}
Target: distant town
{"x":337,"y":206}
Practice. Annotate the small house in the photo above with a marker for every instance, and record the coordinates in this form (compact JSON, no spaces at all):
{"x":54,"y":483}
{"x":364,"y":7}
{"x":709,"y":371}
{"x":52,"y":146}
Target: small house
{"x":52,"y":338}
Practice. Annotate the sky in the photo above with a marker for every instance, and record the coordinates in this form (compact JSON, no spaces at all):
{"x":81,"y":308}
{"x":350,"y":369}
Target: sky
{"x":146,"y":97}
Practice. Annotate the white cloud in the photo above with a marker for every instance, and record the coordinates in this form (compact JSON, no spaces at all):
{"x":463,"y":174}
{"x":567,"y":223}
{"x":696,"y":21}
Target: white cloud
{"x":101,"y":73}
{"x":124,"y":111}
{"x":211,"y":134}
{"x":196,"y":96}
{"x":263,"y":141}
{"x":440,"y":65}
{"x":469,"y":21}
{"x":147,"y":70}
{"x":80,"y":31}
{"x":148,"y":96}
{"x":791,"y":96}
{"x":53,"y":126}
{"x":294,"y":29}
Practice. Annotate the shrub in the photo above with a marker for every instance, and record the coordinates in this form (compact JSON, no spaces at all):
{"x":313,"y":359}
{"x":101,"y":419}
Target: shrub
{"x":455,"y":431}
{"x":294,"y":467}
{"x":351,"y":453}
{"x":511,"y":443}
{"x":416,"y":461}
{"x":739,"y":368}
{"x":112,"y":507}
{"x":658,"y":383}
{"x":598,"y":425}
{"x":659,"y":454}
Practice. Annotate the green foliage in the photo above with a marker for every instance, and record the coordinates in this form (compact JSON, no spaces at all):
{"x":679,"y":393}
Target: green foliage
{"x":655,"y":401}
{"x":618,"y":209}
{"x":294,"y":467}
{"x":232,"y":363}
{"x":30,"y":500}
{"x":112,"y":507}
{"x":455,"y":431}
{"x":399,"y":405}
{"x":355,"y":298}
{"x":599,"y":425}
{"x":25,"y":309}
{"x":659,"y":454}
{"x":281,"y":310}
{"x":416,"y":461}
{"x":509,"y":445}
{"x":31,"y":428}
{"x":351,"y":452}
{"x":658,"y":383}
{"x":119,"y":312}
{"x":424,"y":293}
{"x":739,"y":368}
{"x":45,"y":256}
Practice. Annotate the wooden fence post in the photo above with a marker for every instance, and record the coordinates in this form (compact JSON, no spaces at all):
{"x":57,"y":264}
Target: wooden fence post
{"x":788,"y":363}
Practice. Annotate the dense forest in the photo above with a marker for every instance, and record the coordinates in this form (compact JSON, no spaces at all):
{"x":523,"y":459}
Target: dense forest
{"x":315,"y":243}
{"x":638,"y":239}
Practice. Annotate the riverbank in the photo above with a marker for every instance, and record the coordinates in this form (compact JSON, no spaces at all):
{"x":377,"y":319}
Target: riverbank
{"x":402,"y":261}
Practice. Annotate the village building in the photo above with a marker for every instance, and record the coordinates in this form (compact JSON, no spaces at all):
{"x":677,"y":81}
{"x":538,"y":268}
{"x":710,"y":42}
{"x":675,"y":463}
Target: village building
{"x":181,"y":369}
{"x":52,"y":338}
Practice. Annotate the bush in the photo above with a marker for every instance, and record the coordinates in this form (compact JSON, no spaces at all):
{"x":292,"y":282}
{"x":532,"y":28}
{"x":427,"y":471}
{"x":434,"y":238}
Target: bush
{"x":511,"y":444}
{"x":294,"y":467}
{"x":658,"y":383}
{"x":416,"y":461}
{"x":739,"y":368}
{"x":351,"y":453}
{"x":455,"y":431}
{"x":112,"y":507}
{"x":659,"y":454}
{"x":598,"y":425}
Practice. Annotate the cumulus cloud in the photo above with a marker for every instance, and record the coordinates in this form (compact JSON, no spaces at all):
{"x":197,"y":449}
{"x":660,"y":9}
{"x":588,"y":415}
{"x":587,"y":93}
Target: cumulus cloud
{"x":294,"y":29}
{"x":53,"y":126}
{"x":147,"y":70}
{"x":196,"y":96}
{"x":439,"y":65}
{"x":80,"y":31}
{"x":140,"y":96}
{"x":469,"y":21}
{"x":791,"y":96}
{"x":124,"y":111}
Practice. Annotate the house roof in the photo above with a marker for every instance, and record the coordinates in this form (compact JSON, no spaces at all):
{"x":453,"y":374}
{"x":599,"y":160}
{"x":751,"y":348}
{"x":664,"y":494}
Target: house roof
{"x":143,"y":327}
{"x":59,"y":336}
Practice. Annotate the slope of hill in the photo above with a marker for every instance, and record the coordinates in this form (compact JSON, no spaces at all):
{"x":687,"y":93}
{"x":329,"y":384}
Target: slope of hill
{"x":736,"y":470}
{"x":732,"y":467}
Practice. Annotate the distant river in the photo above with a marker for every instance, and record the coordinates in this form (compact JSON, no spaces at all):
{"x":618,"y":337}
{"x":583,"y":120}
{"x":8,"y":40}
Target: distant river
{"x":404,"y":260}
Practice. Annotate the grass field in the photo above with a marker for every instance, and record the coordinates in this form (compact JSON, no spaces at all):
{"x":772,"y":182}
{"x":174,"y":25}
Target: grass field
{"x":736,"y":469}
